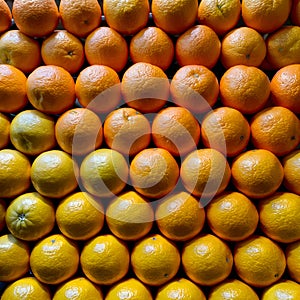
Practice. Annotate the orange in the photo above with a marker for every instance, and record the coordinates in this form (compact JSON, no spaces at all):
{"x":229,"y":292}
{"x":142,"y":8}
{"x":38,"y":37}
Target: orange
{"x":32,"y":132}
{"x":13,"y":89}
{"x":104,"y":172}
{"x":51,"y":89}
{"x":180,"y":216}
{"x":79,"y":216}
{"x":199,"y":45}
{"x":285,"y":87}
{"x":276,"y":129}
{"x":78,"y":131}
{"x":105,"y":46}
{"x":259,"y":261}
{"x":6,"y":16}
{"x":206,"y":260}
{"x":4,"y":130}
{"x":145,"y":87}
{"x":277,"y":213}
{"x":2,"y":214}
{"x":291,"y":169}
{"x":127,"y":131}
{"x":80,"y":17}
{"x":14,"y":258}
{"x":221,"y":16}
{"x":63,"y":49}
{"x":174,"y":17}
{"x":257,"y":173}
{"x":205,"y":172}
{"x":232,"y":289}
{"x":243,"y":46}
{"x":104,"y":259}
{"x":97,"y":88}
{"x":283,"y":47}
{"x":19,"y":50}
{"x":35,"y":18}
{"x":78,"y":288}
{"x":225,"y":128}
{"x":154,"y":172}
{"x":285,"y":289}
{"x":195,"y":87}
{"x":28,"y":288}
{"x":244,"y":88}
{"x":292,"y":254}
{"x":295,"y":13}
{"x":232,"y":216}
{"x":30,"y":216}
{"x":54,"y":259}
{"x":155,"y":260}
{"x":14,"y":173}
{"x":126,"y":16}
{"x":131,"y":287}
{"x":129,"y":216}
{"x":54,"y":174}
{"x":152,"y":45}
{"x":265,"y":16}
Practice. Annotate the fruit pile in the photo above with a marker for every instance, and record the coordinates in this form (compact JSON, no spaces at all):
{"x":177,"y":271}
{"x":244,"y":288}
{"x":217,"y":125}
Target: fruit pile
{"x":150,"y":150}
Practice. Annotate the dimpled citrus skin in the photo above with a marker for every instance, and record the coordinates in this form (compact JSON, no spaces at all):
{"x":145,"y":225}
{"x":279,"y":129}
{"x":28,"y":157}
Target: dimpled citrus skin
{"x":4,"y":130}
{"x":286,"y":289}
{"x":5,"y":16}
{"x":291,"y":168}
{"x":292,"y":254}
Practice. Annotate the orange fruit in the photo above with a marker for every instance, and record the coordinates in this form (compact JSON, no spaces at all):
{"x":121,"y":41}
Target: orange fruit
{"x":265,"y":16}
{"x":105,"y":46}
{"x":259,"y":261}
{"x":221,"y":16}
{"x":126,"y":17}
{"x":180,"y":216}
{"x":295,"y":13}
{"x":14,"y":258}
{"x":243,"y":46}
{"x":19,"y":50}
{"x":155,"y":260}
{"x":79,"y":216}
{"x":63,"y":49}
{"x":30,"y":216}
{"x":152,"y":45}
{"x":174,"y":17}
{"x":205,"y":172}
{"x":51,"y":89}
{"x":104,"y":259}
{"x":285,"y":87}
{"x":292,"y":254}
{"x":78,"y":131}
{"x":194,"y":87}
{"x":285,"y":289}
{"x":4,"y":130}
{"x":54,"y":259}
{"x":28,"y":288}
{"x":199,"y":45}
{"x":80,"y":18}
{"x":54,"y":174}
{"x":13,"y":89}
{"x":283,"y":47}
{"x":2,"y":214}
{"x":176,"y":130}
{"x":35,"y":18}
{"x":104,"y":172}
{"x":145,"y":87}
{"x":276,"y":129}
{"x":244,"y":88}
{"x":129,"y":216}
{"x":6,"y":16}
{"x":206,"y":260}
{"x":97,"y":84}
{"x":154,"y":172}
{"x":14,"y":173}
{"x":80,"y":288}
{"x":127,"y":131}
{"x":291,"y":169}
{"x":225,"y":128}
{"x":232,"y":216}
{"x":32,"y":132}
{"x":257,"y":173}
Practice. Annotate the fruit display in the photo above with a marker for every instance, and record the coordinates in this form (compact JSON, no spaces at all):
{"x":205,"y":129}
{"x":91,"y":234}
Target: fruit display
{"x":150,"y":149}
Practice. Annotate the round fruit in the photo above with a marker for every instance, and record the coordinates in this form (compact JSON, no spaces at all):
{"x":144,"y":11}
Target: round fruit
{"x":4,"y":130}
{"x":291,"y":169}
{"x":285,"y":289}
{"x":292,"y":254}
{"x":6,"y":16}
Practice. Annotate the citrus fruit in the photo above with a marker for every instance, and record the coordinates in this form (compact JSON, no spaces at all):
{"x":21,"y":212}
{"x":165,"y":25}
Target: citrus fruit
{"x":2,"y":214}
{"x":79,"y":216}
{"x":291,"y":168}
{"x":6,"y":16}
{"x":4,"y":130}
{"x":104,"y":259}
{"x":295,"y":13}
{"x":285,"y":289}
{"x":292,"y":254}
{"x":206,"y":260}
{"x":30,"y":216}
